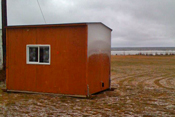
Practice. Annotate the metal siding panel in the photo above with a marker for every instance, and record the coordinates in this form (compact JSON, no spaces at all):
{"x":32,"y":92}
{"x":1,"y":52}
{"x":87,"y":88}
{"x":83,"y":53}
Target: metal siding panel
{"x":67,"y":72}
{"x":99,"y":52}
{"x":20,"y":75}
{"x":7,"y":61}
{"x":29,"y":37}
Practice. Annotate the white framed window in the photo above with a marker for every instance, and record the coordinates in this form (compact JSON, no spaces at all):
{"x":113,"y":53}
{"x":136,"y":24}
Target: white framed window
{"x":38,"y":54}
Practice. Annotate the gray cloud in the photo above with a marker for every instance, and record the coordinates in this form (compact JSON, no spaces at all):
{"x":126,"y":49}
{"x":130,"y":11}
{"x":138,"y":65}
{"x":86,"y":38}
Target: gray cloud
{"x":134,"y":22}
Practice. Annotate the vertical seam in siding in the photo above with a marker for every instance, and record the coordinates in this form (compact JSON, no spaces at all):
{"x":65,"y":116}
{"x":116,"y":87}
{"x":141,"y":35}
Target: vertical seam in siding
{"x":7,"y":64}
{"x":110,"y":66}
{"x":36,"y":34}
{"x":86,"y":60}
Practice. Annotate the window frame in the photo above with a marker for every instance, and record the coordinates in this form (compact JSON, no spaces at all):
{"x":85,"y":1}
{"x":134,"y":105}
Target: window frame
{"x":37,"y":45}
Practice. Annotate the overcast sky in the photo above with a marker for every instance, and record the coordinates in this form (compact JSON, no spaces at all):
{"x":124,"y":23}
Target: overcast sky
{"x":135,"y":23}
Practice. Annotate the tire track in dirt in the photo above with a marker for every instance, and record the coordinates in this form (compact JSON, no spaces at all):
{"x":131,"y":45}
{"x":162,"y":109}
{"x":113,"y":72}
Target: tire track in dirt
{"x":170,"y":82}
{"x":118,"y":79}
{"x":141,"y":84}
{"x":128,"y":80}
{"x":114,"y":78}
{"x":157,"y":82}
{"x":121,"y":82}
{"x":137,"y":80}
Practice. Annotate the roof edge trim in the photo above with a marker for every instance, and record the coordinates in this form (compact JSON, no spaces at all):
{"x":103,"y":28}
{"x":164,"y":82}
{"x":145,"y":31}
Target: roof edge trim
{"x":56,"y":25}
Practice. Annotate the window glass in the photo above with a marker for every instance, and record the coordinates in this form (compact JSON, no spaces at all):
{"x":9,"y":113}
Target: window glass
{"x":44,"y":54}
{"x":38,"y":54}
{"x":33,"y":54}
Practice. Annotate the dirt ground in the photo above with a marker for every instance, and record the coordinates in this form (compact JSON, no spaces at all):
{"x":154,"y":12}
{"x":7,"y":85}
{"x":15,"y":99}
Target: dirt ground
{"x":145,"y":87}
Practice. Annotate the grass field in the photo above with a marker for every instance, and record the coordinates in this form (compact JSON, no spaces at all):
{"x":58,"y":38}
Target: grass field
{"x":144,"y":86}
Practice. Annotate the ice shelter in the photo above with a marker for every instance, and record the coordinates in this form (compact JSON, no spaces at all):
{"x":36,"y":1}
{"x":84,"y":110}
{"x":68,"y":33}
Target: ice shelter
{"x":71,"y":59}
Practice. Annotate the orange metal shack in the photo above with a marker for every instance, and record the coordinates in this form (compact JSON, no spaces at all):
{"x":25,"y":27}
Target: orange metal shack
{"x":71,"y":59}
